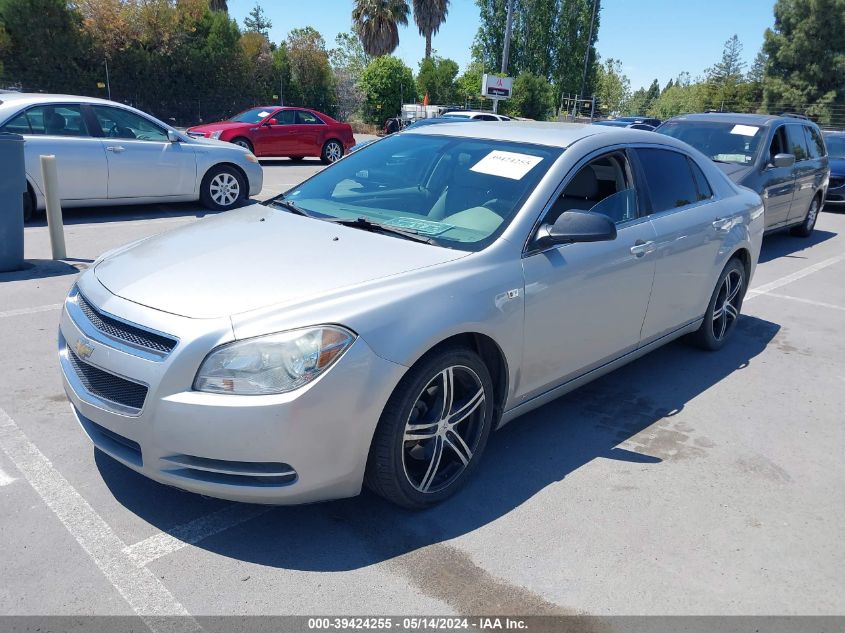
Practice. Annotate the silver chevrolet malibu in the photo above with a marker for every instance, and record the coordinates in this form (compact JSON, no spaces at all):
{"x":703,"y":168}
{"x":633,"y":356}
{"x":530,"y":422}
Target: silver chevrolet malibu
{"x":375,"y":324}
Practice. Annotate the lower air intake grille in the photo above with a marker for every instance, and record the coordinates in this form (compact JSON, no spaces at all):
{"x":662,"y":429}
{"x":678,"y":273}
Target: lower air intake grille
{"x":108,"y":386}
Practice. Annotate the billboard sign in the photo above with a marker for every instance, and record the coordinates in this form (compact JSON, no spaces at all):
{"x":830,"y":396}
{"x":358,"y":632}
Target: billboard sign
{"x":496,"y":87}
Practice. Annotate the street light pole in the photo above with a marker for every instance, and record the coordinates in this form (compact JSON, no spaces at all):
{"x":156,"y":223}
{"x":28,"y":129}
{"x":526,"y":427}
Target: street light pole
{"x":586,"y":56}
{"x":108,"y":83}
{"x":506,"y":51}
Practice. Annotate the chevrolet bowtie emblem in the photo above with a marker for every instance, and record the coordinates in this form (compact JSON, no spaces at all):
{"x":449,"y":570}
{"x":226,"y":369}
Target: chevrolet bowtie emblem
{"x":83,"y":349}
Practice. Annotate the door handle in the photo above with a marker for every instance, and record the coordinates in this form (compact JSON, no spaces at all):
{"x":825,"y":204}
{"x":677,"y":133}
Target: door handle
{"x":641,"y":248}
{"x":117,"y":149}
{"x":723,"y":224}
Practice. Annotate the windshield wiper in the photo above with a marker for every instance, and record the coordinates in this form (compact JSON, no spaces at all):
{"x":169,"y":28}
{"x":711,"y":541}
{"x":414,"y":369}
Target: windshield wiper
{"x":375,"y":227}
{"x":287,"y":205}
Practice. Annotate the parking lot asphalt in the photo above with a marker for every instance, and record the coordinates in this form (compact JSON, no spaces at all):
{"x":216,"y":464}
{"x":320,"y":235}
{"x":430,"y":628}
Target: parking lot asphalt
{"x":684,"y":483}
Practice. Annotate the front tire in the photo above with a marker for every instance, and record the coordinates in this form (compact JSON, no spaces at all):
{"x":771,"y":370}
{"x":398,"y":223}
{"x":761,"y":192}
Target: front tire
{"x":805,"y":229}
{"x":433,"y":430}
{"x":243,"y":142}
{"x":723,"y":310}
{"x":332,"y":152}
{"x":222,"y":188}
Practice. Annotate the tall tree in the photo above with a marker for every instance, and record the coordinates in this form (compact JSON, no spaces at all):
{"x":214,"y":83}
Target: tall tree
{"x":310,"y":70}
{"x":46,"y":48}
{"x":348,"y":60}
{"x":4,"y":46}
{"x":436,"y":78}
{"x":532,"y":97}
{"x":613,"y":88}
{"x":219,"y":5}
{"x":806,"y":58}
{"x":377,"y":24}
{"x":429,"y":15}
{"x":731,"y":66}
{"x":258,"y":22}
{"x":387,"y":83}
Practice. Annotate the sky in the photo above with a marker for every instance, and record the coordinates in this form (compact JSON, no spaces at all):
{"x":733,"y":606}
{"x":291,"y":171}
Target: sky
{"x":654,"y":39}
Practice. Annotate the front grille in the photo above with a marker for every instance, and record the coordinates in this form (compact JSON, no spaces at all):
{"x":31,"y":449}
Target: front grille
{"x":836,"y":182}
{"x":123,"y":331}
{"x":108,"y":386}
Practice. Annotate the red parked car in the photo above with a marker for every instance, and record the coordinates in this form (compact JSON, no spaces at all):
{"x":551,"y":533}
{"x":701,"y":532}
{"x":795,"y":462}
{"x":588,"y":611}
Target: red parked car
{"x":275,"y":131}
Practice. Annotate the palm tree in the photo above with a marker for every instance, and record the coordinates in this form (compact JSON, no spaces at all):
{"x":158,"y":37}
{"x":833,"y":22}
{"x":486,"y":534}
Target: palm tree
{"x":219,"y":5}
{"x":377,"y":24}
{"x":429,"y":15}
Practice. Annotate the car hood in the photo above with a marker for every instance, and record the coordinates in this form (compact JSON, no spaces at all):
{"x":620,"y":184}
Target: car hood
{"x":256,"y":257}
{"x":837,"y":167}
{"x":223,"y":125}
{"x":735,"y":171}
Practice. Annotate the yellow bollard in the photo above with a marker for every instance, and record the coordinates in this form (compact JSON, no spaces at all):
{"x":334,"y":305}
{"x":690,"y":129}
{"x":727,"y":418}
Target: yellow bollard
{"x":50,"y":179}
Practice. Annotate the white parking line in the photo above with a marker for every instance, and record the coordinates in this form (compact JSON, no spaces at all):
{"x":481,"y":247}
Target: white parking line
{"x":788,"y":279}
{"x":20,"y":311}
{"x":5,"y":479}
{"x":812,"y":302}
{"x":162,"y":544}
{"x":144,"y":592}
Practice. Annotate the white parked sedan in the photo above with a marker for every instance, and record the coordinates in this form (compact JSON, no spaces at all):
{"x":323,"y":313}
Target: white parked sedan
{"x":108,"y":154}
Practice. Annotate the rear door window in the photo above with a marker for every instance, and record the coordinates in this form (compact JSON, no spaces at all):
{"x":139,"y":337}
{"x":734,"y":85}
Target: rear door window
{"x":668,"y":177}
{"x":306,"y":118}
{"x":49,"y":120}
{"x":286,"y":117}
{"x":815,"y":144}
{"x":796,"y":142}
{"x":704,"y":190}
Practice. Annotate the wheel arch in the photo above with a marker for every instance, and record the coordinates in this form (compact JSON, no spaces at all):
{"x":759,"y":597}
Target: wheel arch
{"x":744,"y":256}
{"x":492,"y":356}
{"x":235,"y":166}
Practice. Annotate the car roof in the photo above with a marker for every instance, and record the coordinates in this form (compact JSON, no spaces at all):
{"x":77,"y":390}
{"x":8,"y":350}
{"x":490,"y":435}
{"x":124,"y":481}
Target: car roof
{"x":29,"y":98}
{"x":739,"y":117}
{"x":549,"y":134}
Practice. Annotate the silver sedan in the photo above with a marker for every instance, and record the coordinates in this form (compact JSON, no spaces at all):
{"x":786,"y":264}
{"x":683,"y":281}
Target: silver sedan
{"x":108,"y":154}
{"x":377,"y":322}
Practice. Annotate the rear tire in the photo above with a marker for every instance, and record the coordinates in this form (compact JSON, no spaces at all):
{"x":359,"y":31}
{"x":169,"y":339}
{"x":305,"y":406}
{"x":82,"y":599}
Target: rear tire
{"x":243,"y":142}
{"x":28,"y":205}
{"x":332,"y":152}
{"x":223,"y":188}
{"x":444,"y":449}
{"x":723,"y":310}
{"x":805,"y":229}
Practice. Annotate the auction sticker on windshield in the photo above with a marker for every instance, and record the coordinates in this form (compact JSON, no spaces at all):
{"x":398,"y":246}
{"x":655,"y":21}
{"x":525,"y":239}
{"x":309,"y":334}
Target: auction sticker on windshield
{"x":745,"y":130}
{"x":506,"y":164}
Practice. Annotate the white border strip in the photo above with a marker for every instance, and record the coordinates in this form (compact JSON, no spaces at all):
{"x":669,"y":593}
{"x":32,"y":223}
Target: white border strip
{"x":812,"y":302}
{"x":164,"y":543}
{"x":5,"y":479}
{"x":21,"y":311}
{"x":788,"y":279}
{"x":144,"y":592}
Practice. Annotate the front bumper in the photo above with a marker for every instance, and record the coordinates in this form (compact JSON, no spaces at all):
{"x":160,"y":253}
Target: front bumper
{"x":255,"y":175}
{"x":307,"y":445}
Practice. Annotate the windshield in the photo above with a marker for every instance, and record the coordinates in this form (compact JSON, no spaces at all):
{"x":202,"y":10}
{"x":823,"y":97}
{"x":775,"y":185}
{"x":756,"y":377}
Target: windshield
{"x":256,"y":115}
{"x":459,"y":192}
{"x":722,"y":141}
{"x":835,"y":146}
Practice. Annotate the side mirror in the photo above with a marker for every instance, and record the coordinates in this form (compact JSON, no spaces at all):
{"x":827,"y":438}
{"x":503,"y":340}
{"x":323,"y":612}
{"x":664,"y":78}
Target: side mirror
{"x":272,"y":122}
{"x":577,"y":226}
{"x":783,"y":160}
{"x":173,"y":137}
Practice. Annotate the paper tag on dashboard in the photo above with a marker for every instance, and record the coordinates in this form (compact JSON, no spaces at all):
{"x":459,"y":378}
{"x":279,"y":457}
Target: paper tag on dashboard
{"x":745,"y":130}
{"x":506,"y":164}
{"x":263,"y":114}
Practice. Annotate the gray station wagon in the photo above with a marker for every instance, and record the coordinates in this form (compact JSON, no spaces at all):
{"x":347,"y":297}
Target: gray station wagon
{"x":783,"y":158}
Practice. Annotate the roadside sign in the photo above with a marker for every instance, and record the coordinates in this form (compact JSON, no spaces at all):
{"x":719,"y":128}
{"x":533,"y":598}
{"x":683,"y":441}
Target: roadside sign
{"x":100,"y":85}
{"x":496,"y":87}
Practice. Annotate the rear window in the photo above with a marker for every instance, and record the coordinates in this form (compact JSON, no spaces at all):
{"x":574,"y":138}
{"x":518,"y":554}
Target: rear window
{"x":814,"y":142}
{"x":669,"y":179}
{"x":796,"y":142}
{"x":52,"y":120}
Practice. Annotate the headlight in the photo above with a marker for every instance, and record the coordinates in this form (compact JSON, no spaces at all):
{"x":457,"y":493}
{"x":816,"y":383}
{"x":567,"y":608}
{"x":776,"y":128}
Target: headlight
{"x":216,"y":135}
{"x":272,"y":364}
